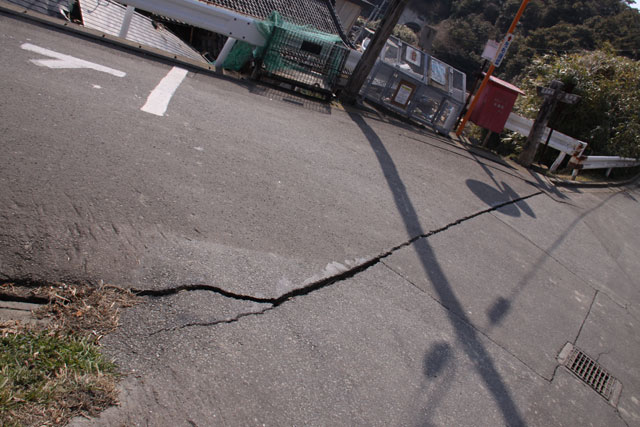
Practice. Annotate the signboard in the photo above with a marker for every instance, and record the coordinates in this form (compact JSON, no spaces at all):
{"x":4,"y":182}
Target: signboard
{"x":503,"y":49}
{"x":545,"y":91}
{"x":567,"y":98}
{"x":438,"y":72}
{"x":413,"y":56}
{"x":490,"y":50}
{"x":403,"y":94}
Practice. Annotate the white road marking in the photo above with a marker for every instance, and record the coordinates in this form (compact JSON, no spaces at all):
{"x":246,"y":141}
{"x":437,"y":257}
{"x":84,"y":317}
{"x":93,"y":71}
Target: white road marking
{"x":159,"y":98}
{"x":66,"y":61}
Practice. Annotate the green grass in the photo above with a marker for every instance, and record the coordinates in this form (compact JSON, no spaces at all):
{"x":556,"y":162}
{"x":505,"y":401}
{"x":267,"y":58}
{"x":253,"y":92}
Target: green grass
{"x":39,"y":371}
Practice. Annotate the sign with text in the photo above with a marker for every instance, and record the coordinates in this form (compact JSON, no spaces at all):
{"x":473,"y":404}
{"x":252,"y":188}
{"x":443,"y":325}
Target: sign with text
{"x":490,"y":50}
{"x":567,"y":98}
{"x":502,"y":52}
{"x":403,"y":93}
{"x":413,"y":56}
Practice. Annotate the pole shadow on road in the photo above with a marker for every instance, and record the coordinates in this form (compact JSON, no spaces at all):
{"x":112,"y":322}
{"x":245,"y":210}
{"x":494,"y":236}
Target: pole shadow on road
{"x":438,"y":371}
{"x":466,"y":334}
{"x":499,"y":309}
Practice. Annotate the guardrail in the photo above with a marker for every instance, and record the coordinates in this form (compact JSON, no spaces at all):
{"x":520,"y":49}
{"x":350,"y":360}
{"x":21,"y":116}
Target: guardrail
{"x":570,"y":146}
{"x":559,"y":141}
{"x":578,"y":163}
{"x":204,"y":15}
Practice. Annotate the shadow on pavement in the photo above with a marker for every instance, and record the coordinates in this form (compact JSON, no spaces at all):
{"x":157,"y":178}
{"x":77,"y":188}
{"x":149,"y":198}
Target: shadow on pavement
{"x":466,"y":336}
{"x":548,"y":188}
{"x":492,"y":196}
{"x":496,"y":195}
{"x":502,"y":305}
{"x":291,"y":98}
{"x":437,"y":359}
{"x":438,"y":375}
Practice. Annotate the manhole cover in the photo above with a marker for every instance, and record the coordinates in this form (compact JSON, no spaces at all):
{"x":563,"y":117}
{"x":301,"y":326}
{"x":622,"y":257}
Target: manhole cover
{"x":590,"y":372}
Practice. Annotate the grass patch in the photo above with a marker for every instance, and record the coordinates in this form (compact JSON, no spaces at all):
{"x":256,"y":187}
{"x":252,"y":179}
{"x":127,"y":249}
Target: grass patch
{"x":52,"y":377}
{"x":53,"y":370}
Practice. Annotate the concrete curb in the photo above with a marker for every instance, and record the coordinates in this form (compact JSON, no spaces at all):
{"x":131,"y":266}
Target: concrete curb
{"x":559,"y":182}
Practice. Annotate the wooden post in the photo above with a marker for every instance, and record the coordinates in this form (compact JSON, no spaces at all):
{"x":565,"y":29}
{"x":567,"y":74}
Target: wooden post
{"x":486,"y":139}
{"x":540,"y":124}
{"x":368,"y":60}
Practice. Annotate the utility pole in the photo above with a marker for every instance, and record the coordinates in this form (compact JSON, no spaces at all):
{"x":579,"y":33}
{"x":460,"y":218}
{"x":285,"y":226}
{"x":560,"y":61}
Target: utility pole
{"x":368,"y":60}
{"x":552,"y":95}
{"x":496,"y":63}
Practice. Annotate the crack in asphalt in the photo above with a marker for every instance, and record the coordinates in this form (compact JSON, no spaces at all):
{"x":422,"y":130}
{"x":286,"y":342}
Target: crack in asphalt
{"x":549,"y":253}
{"x":159,"y":293}
{"x":30,"y":299}
{"x":277,"y":301}
{"x":584,"y":321}
{"x":313,"y":286}
{"x":622,"y":417}
{"x":213,"y":322}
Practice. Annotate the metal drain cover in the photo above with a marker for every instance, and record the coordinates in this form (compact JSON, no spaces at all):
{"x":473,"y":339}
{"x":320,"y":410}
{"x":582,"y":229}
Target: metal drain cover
{"x":590,"y":372}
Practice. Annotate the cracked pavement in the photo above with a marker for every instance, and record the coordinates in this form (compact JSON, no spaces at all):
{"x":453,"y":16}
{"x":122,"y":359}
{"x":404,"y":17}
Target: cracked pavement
{"x":300,"y":268}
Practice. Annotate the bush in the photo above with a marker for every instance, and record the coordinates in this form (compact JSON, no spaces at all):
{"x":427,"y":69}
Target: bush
{"x":608,"y":115}
{"x":402,"y":32}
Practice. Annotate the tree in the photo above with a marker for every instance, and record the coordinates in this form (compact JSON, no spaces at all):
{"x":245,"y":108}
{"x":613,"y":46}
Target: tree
{"x":608,"y":115}
{"x":547,"y":26}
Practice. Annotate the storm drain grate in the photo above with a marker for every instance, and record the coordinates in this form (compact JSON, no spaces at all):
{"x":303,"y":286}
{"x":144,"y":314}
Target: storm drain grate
{"x":590,"y":371}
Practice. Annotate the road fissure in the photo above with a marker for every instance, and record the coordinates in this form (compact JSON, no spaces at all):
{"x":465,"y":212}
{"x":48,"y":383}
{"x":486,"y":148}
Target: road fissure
{"x":324,"y":282}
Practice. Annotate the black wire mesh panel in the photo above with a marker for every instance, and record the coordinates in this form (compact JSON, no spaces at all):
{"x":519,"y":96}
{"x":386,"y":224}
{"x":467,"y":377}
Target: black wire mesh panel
{"x":315,"y":13}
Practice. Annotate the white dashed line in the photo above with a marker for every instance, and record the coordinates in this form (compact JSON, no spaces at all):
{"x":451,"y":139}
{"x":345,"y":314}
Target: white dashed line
{"x":159,"y":98}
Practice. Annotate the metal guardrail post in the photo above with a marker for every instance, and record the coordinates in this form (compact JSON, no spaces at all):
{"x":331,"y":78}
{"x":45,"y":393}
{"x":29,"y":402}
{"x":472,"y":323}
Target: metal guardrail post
{"x":126,"y":22}
{"x":224,"y":53}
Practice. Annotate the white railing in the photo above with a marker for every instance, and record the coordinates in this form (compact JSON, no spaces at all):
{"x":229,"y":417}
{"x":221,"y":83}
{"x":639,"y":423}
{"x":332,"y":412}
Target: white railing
{"x":559,"y":141}
{"x":578,"y":163}
{"x":570,"y":146}
{"x":206,"y":16}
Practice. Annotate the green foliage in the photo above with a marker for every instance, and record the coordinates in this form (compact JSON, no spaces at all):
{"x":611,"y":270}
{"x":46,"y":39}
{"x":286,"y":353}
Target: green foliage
{"x":403,"y":32}
{"x":38,"y":368}
{"x":547,"y":27}
{"x":608,"y":115}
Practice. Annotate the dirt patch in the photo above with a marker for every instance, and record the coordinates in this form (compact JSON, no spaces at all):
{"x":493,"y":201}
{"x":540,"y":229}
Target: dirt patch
{"x":52,"y":369}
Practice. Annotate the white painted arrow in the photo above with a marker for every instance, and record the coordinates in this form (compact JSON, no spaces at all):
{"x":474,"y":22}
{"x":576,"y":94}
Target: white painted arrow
{"x":66,"y":61}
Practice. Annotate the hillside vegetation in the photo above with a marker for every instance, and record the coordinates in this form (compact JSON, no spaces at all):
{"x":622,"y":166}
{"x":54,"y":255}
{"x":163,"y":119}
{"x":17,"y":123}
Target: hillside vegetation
{"x":547,"y":27}
{"x":592,"y":46}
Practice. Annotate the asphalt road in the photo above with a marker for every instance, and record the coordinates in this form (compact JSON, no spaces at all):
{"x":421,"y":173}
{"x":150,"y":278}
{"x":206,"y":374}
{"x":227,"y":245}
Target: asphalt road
{"x":228,"y":188}
{"x":453,"y":280}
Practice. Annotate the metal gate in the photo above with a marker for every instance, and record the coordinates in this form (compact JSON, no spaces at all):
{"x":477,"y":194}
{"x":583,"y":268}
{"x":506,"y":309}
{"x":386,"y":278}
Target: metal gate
{"x":304,"y":59}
